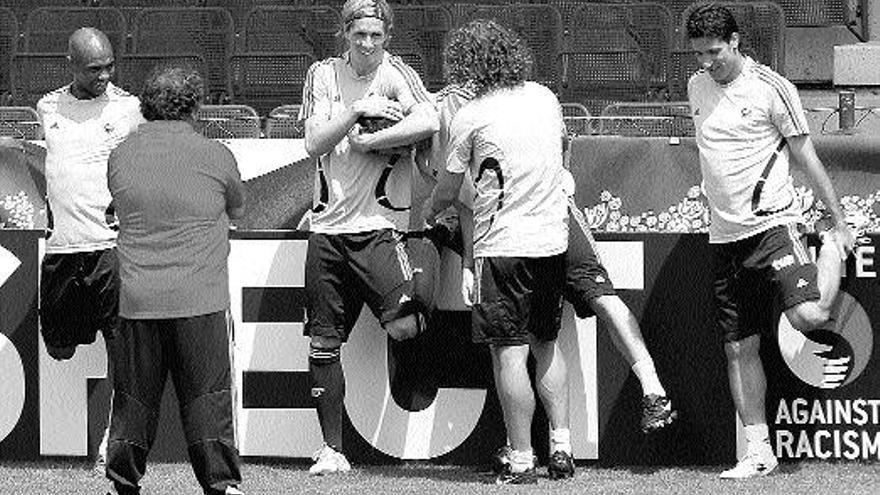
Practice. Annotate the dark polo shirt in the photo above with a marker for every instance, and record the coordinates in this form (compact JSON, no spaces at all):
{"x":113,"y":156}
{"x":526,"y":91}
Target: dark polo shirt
{"x":170,"y":187}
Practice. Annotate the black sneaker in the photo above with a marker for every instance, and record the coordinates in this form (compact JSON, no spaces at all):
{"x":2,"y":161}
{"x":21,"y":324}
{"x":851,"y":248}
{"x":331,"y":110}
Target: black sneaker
{"x":561,"y":465}
{"x":657,"y":412}
{"x":508,"y":477}
{"x":501,"y":459}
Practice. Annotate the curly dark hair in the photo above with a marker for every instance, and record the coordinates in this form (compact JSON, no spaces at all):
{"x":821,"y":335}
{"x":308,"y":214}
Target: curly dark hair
{"x":172,"y":93}
{"x":711,"y":21}
{"x":485,"y":56}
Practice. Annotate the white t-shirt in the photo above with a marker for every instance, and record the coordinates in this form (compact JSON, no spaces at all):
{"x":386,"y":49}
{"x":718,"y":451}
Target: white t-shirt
{"x":80,"y":134}
{"x":360,"y":192}
{"x":509,"y":139}
{"x":741,"y":129}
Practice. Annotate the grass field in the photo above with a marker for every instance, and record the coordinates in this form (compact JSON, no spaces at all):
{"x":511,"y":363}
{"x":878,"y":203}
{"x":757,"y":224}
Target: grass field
{"x":814,"y":478}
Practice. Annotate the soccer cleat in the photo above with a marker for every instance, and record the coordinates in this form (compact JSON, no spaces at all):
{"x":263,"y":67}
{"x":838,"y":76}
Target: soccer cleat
{"x":501,"y":459}
{"x":328,"y":461}
{"x":233,"y":490}
{"x":657,"y":412}
{"x":561,"y":465}
{"x":757,"y":462}
{"x":508,"y":477}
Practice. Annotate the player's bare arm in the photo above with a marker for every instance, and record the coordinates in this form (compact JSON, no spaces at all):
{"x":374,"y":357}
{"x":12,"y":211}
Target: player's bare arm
{"x":804,"y":154}
{"x":419,"y":123}
{"x":321,"y":135}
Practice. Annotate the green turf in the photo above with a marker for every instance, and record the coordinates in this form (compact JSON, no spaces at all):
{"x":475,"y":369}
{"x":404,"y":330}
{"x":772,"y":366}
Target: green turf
{"x":813,"y":478}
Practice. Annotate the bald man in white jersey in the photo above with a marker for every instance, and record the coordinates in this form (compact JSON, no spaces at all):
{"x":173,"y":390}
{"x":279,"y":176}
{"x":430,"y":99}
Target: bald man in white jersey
{"x":750,"y":127}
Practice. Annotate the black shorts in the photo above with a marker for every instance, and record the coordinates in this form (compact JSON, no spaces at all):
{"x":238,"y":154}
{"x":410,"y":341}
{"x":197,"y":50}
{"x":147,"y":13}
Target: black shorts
{"x":517,"y":299}
{"x":585,"y":277}
{"x":393,"y":273}
{"x":79,"y":296}
{"x":754,"y":274}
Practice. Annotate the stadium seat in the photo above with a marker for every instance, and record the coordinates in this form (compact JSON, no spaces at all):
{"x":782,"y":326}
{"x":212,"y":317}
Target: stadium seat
{"x":616,"y":52}
{"x":419,"y":34}
{"x":577,"y":118}
{"x":20,"y":123}
{"x":647,"y":119}
{"x":130,"y":8}
{"x":132,"y":69}
{"x":265,"y":80}
{"x":35,"y":74}
{"x":207,"y":31}
{"x":309,"y":30}
{"x":539,"y":25}
{"x":228,"y":121}
{"x":283,"y":122}
{"x":8,"y":42}
{"x":47,"y":29}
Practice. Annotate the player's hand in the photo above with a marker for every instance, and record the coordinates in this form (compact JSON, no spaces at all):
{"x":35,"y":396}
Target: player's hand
{"x":467,"y":286}
{"x":378,"y":106}
{"x":360,"y":142}
{"x":10,"y":143}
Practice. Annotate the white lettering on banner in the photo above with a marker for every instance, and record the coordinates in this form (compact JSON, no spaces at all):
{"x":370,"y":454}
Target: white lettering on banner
{"x":827,"y":444}
{"x":431,"y":432}
{"x":857,"y":412}
{"x":434,"y":431}
{"x":864,"y":261}
{"x":12,"y":386}
{"x":64,"y":398}
{"x":270,"y":347}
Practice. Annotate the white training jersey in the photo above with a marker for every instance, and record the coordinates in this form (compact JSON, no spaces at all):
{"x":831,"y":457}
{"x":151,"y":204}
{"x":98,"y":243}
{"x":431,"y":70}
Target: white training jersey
{"x":741,"y":130}
{"x":509,"y":140}
{"x":360,"y":192}
{"x":80,"y":134}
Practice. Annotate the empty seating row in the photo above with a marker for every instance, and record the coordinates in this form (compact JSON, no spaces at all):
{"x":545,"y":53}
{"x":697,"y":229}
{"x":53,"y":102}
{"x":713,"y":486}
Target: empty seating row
{"x":213,"y":121}
{"x":609,"y":52}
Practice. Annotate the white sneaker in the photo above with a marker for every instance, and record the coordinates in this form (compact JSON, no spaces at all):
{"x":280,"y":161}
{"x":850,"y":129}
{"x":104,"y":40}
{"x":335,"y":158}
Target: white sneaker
{"x":759,"y":462}
{"x":232,"y":490}
{"x":329,"y":461}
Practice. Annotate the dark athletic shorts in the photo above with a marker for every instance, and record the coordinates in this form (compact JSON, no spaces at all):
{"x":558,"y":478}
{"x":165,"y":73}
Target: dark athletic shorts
{"x":585,"y":277}
{"x":517,"y":299}
{"x":392,"y":272}
{"x":79,"y":296}
{"x":750,"y":274}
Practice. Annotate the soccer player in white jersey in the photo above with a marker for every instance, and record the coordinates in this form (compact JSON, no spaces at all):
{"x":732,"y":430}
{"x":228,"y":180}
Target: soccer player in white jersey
{"x":750,"y":127}
{"x":358,"y":251}
{"x":83,"y":122}
{"x":508,"y":139}
{"x":588,"y":286}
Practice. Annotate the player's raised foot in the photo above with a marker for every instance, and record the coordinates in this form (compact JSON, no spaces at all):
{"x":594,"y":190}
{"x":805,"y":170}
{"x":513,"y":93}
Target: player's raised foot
{"x":758,"y":461}
{"x":560,"y":466}
{"x":657,"y":412}
{"x":501,"y":459}
{"x":508,"y":476}
{"x":328,"y":461}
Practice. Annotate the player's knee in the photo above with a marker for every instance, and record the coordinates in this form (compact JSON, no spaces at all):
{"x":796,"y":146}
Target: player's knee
{"x":808,"y":316}
{"x":61,"y":353}
{"x":407,"y":327}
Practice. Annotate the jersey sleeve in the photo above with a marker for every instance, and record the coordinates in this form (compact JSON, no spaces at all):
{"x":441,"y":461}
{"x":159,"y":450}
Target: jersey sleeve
{"x":316,"y":91}
{"x":460,"y":144}
{"x":409,"y":89}
{"x":786,"y":110}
